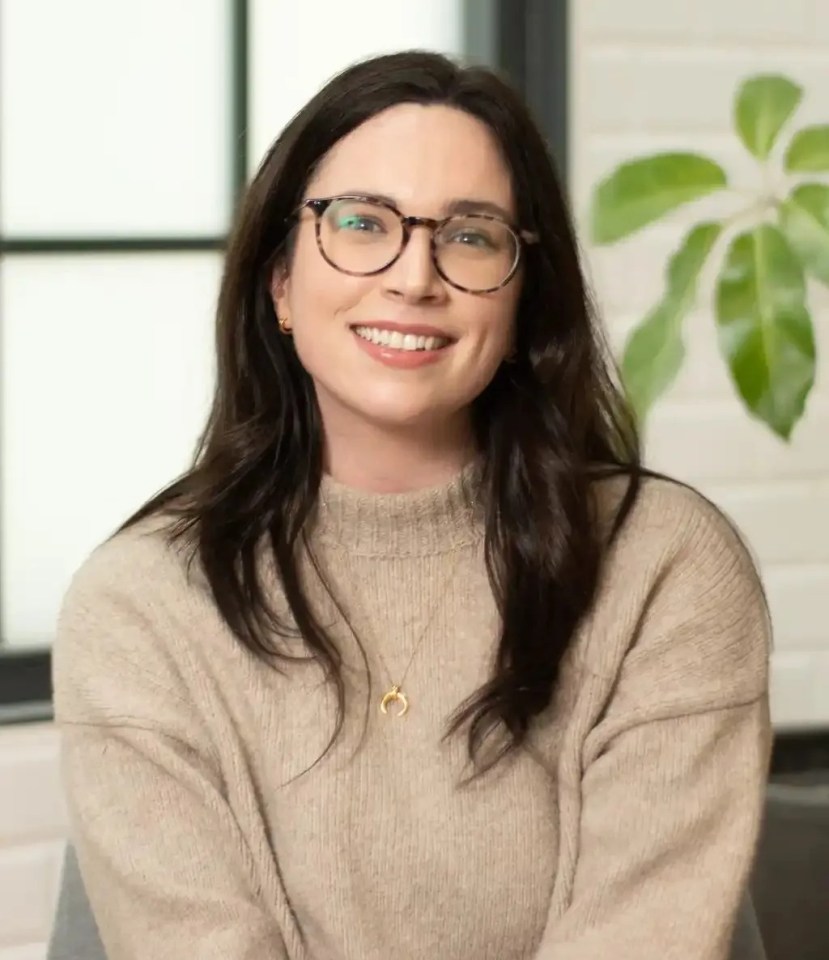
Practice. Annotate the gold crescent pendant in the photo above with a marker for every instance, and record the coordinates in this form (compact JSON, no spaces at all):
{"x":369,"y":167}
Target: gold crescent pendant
{"x":395,"y":694}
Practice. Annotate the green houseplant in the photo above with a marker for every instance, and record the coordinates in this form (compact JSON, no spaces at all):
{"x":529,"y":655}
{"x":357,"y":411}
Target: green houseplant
{"x":761,"y":254}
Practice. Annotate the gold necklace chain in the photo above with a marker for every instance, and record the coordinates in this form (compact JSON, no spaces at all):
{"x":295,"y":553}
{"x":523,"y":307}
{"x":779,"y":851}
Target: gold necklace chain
{"x":396,"y":694}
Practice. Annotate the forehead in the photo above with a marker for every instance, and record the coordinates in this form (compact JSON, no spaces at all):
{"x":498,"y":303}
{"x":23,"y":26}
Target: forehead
{"x":422,"y":156}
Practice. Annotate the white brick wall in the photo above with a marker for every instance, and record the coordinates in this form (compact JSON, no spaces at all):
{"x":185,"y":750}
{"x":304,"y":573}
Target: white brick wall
{"x":32,"y":832}
{"x":649,"y":75}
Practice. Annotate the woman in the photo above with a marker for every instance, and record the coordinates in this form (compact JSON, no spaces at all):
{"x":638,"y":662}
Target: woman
{"x":414,"y":661}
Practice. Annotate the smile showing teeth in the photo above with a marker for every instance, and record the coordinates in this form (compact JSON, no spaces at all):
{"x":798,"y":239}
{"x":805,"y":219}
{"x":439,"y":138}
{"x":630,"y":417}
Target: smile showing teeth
{"x":400,"y":341}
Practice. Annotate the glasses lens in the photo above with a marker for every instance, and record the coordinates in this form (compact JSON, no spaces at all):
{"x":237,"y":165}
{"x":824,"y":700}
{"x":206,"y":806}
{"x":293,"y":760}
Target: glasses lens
{"x":360,"y":236}
{"x":475,"y":252}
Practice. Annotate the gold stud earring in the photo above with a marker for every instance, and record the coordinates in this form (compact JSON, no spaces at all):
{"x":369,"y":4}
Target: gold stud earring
{"x":284,"y":325}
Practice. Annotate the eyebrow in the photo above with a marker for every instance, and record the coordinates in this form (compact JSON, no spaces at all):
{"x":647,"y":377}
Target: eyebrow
{"x":459,"y":205}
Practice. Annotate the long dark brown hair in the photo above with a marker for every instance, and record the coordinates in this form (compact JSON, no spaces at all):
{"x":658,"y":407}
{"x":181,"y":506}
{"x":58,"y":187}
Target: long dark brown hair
{"x":544,"y":426}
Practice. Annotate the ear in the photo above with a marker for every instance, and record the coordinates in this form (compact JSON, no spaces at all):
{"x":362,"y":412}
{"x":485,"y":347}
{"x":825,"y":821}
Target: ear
{"x":279,"y":286}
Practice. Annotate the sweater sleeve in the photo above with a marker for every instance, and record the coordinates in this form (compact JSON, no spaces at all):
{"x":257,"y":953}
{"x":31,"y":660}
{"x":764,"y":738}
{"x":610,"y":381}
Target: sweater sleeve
{"x":674,"y":770}
{"x":166,"y":868}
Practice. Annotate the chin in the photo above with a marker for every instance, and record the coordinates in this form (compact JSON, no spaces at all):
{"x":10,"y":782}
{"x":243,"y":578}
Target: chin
{"x":401,"y":412}
{"x":403,"y":417}
{"x":390,"y":407}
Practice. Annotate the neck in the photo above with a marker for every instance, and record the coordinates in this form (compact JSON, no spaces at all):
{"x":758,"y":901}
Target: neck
{"x":379,"y":459}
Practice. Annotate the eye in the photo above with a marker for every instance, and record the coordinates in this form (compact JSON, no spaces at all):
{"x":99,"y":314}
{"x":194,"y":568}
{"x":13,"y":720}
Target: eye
{"x":358,"y":217}
{"x":472,"y":238}
{"x":468,"y":235}
{"x":359,"y":223}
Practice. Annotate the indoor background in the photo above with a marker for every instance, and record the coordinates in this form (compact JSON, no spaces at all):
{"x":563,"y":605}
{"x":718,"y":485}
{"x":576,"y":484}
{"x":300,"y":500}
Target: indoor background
{"x":126,"y":132}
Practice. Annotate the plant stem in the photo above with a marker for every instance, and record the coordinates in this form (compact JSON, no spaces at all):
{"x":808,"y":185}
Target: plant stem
{"x":761,"y":205}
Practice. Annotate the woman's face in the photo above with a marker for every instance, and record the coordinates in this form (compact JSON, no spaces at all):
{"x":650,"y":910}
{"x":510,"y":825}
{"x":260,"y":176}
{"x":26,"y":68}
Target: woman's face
{"x":425,"y":159}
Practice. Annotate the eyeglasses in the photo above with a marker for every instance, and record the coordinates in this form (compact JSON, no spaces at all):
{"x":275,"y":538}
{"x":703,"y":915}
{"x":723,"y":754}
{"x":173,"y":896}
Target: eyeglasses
{"x":363,"y":236}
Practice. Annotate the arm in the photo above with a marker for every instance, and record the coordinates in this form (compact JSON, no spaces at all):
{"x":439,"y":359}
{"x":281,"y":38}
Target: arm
{"x":674,"y":771}
{"x":167,"y":870}
{"x":670,"y":813}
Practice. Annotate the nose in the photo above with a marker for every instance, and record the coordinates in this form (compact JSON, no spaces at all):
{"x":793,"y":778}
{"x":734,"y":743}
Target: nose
{"x":413,"y":277}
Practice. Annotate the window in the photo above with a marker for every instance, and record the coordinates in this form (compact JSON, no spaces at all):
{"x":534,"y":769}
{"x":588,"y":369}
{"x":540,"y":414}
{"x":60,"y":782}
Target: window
{"x":123,"y":146}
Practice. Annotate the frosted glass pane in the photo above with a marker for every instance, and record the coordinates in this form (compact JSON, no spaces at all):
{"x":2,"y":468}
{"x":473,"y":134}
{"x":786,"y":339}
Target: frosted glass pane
{"x":308,"y":55}
{"x":107,"y":369}
{"x":114,"y":117}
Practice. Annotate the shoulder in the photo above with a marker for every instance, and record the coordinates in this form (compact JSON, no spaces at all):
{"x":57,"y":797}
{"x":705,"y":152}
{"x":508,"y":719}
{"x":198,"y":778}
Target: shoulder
{"x":125,"y":613}
{"x":671,"y":523}
{"x":142,"y":559}
{"x":681,"y":596}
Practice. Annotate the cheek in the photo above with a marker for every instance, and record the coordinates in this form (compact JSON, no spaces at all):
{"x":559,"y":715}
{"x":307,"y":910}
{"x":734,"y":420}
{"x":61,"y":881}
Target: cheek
{"x":496,"y":324}
{"x":317,"y":292}
{"x":319,"y":298}
{"x":309,"y":283}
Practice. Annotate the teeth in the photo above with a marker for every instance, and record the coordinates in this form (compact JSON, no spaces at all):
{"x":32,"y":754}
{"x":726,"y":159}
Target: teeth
{"x":400,"y":341}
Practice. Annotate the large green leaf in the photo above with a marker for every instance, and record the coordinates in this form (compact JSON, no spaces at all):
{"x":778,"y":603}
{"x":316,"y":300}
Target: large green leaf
{"x":804,"y":216}
{"x":641,"y":191}
{"x":763,"y":105}
{"x":655,"y":351}
{"x":809,"y":150}
{"x":765,"y":330}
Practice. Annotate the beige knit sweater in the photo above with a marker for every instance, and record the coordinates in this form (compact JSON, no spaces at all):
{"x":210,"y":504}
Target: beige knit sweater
{"x":624,"y":831}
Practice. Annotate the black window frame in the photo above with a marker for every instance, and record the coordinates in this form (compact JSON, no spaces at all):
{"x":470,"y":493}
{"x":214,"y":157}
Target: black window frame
{"x":25,"y":673}
{"x":530,"y":43}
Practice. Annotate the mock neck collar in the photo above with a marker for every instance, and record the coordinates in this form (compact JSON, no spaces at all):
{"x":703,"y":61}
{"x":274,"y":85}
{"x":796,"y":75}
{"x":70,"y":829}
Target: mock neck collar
{"x":426,"y":521}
